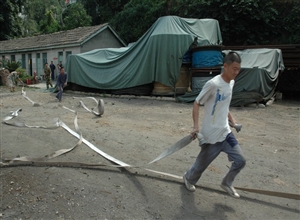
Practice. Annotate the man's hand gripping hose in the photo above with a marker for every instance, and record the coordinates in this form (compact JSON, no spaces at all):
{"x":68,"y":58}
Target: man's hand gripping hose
{"x":237,"y":127}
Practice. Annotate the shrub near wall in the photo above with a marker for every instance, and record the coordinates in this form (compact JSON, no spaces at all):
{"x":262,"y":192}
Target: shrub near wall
{"x":3,"y":75}
{"x":23,"y":76}
{"x":11,"y":66}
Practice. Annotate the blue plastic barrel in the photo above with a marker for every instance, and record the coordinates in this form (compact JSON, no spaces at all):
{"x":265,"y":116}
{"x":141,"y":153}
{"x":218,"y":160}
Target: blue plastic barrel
{"x":187,"y":58}
{"x":207,"y":56}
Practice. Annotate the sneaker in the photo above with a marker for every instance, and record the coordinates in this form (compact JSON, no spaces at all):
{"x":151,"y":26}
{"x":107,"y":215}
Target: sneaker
{"x":189,"y":186}
{"x":230,"y":190}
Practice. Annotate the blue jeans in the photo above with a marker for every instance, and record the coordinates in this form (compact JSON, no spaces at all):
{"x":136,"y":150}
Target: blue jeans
{"x":209,"y":152}
{"x":60,"y":92}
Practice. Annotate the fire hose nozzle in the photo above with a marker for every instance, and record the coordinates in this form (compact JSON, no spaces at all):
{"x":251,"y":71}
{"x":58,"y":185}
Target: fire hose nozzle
{"x":201,"y":139}
{"x":238,"y":127}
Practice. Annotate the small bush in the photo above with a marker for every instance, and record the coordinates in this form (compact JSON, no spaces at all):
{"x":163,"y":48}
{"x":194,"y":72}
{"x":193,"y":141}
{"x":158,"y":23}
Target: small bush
{"x":11,"y":66}
{"x":23,"y":75}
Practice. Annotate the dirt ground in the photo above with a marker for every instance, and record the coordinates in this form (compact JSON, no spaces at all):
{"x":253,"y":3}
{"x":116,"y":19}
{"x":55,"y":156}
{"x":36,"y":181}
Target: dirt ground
{"x":136,"y":130}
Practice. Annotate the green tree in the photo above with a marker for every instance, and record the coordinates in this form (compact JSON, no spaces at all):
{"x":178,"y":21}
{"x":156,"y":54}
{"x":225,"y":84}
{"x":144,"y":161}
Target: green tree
{"x":137,"y":17}
{"x":102,"y":11}
{"x":49,"y":24}
{"x":29,"y":26}
{"x":288,"y":22}
{"x":241,"y":22}
{"x":10,"y":21}
{"x":37,"y":16}
{"x":75,"y":16}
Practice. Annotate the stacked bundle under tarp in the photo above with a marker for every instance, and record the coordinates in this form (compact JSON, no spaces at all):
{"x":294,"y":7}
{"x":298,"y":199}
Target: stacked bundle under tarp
{"x":257,"y":79}
{"x":155,"y":57}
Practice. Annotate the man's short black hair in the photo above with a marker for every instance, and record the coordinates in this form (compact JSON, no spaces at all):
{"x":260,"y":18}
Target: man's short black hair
{"x":46,"y":63}
{"x":232,"y":57}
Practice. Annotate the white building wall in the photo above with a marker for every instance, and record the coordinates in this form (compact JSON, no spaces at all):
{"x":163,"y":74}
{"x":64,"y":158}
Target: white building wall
{"x":106,"y":39}
{"x":38,"y":63}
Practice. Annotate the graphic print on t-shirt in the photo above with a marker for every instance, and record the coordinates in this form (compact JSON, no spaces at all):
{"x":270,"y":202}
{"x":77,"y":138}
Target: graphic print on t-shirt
{"x":218,"y":99}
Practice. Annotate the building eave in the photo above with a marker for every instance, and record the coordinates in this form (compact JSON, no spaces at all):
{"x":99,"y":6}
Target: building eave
{"x":117,"y":36}
{"x":28,"y":50}
{"x":94,"y":34}
{"x":21,"y":47}
{"x":99,"y":31}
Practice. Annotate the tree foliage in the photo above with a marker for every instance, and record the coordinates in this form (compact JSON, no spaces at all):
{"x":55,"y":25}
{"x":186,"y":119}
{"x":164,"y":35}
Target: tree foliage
{"x":102,"y":11}
{"x":39,"y":14}
{"x":75,"y":16}
{"x":21,"y":18}
{"x":288,"y":22}
{"x":49,"y":24}
{"x":137,"y":17}
{"x":10,"y":22}
{"x":242,"y":22}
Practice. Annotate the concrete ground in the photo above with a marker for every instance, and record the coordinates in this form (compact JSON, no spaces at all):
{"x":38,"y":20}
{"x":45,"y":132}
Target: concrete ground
{"x":41,"y":85}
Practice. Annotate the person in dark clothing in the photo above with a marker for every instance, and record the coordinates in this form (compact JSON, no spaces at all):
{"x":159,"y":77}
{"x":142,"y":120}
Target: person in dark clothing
{"x":52,"y":67}
{"x":47,"y":76}
{"x":59,"y":66}
{"x":61,"y":83}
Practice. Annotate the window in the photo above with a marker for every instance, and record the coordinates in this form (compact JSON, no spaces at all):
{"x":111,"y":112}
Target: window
{"x":30,"y":63}
{"x":44,"y":58}
{"x":61,"y":57}
{"x":3,"y":60}
{"x":13,"y":58}
{"x":23,"y":61}
{"x":68,"y":53}
{"x":39,"y":67}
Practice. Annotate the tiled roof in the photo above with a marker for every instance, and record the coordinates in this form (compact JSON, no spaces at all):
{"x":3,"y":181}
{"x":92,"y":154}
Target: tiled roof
{"x":69,"y":37}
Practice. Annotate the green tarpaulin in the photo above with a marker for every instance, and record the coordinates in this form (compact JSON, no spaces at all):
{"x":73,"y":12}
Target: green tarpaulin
{"x":257,"y":79}
{"x":259,"y":76}
{"x":155,"y":57}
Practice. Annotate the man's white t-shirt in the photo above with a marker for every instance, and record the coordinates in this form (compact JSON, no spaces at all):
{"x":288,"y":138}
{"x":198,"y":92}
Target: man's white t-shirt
{"x":216,"y":97}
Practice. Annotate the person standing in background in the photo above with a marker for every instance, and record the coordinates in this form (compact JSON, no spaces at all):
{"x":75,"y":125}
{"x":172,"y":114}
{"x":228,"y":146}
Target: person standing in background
{"x":47,"y":75}
{"x":35,"y":79}
{"x":59,"y":66}
{"x":52,"y":67}
{"x":11,"y":80}
{"x":61,"y":83}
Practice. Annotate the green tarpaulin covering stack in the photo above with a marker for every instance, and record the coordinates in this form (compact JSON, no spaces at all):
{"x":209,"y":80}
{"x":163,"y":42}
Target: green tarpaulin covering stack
{"x":157,"y":58}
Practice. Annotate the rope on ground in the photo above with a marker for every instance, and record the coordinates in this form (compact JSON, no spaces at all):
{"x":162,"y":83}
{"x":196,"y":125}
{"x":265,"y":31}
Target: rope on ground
{"x":44,"y":160}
